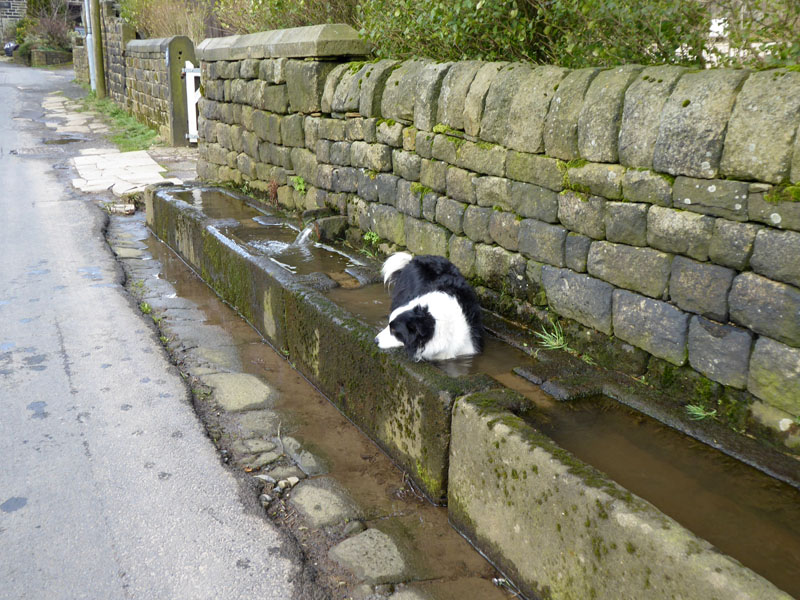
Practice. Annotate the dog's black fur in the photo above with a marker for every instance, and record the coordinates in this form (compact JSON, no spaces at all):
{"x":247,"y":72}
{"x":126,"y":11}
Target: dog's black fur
{"x":424,"y":274}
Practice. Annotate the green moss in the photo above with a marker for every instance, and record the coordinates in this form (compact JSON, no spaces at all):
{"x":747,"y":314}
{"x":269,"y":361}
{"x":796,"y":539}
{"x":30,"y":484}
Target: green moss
{"x":686,"y":103}
{"x":419,"y":189}
{"x":631,"y":549}
{"x":783,"y":193}
{"x":389,"y":122}
{"x":446,"y":129}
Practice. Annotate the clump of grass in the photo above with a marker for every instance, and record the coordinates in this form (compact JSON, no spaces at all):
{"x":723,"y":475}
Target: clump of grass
{"x":127,"y":133}
{"x":299,"y":184}
{"x":552,"y":340}
{"x":699,"y":413}
{"x":145,"y":308}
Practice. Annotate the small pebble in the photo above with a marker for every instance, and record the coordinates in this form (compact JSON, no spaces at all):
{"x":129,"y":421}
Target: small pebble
{"x":265,"y":500}
{"x":293,"y":481}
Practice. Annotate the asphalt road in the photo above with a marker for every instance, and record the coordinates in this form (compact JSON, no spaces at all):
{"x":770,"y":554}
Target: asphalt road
{"x":109,"y":487}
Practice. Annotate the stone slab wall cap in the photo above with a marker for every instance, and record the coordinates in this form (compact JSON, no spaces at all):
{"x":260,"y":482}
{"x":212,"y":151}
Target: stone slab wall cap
{"x":213,"y":49}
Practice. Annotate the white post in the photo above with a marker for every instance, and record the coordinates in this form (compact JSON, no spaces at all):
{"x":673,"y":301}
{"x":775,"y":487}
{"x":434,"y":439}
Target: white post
{"x":192,"y":75}
{"x":88,"y":42}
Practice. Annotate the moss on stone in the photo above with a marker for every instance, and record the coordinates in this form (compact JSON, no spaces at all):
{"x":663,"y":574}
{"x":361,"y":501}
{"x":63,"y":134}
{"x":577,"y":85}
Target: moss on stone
{"x":783,"y":193}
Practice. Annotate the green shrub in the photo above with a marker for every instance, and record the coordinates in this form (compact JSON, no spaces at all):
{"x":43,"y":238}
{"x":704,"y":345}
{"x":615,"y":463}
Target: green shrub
{"x":249,"y":16}
{"x":570,"y":33}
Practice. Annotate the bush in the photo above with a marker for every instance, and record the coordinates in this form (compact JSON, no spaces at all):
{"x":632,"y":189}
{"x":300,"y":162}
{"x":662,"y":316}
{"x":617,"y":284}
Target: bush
{"x":249,"y":16}
{"x":24,"y":29}
{"x":570,"y":33}
{"x":165,"y":18}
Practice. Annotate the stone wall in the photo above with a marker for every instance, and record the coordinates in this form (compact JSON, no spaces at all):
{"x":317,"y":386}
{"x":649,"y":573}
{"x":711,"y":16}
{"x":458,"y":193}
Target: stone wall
{"x":651,"y":206}
{"x":12,"y":11}
{"x":80,"y":62}
{"x":42,"y":58}
{"x":115,"y":34}
{"x":154,"y":88}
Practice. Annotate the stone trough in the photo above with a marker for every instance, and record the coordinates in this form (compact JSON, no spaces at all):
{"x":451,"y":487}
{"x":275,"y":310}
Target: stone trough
{"x":556,"y":526}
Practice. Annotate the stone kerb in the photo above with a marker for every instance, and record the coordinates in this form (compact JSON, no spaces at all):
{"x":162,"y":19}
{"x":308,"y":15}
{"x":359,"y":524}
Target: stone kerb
{"x":630,"y":199}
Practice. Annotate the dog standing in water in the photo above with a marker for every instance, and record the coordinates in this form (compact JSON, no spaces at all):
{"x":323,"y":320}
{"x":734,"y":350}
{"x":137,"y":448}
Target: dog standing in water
{"x":435,"y":312}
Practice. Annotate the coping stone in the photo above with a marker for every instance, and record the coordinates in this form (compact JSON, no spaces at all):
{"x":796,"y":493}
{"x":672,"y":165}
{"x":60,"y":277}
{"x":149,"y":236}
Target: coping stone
{"x":641,"y":114}
{"x":475,"y":101}
{"x":693,"y":123}
{"x":761,"y":131}
{"x":529,"y":108}
{"x":561,"y":126}
{"x":313,"y":41}
{"x":453,"y":94}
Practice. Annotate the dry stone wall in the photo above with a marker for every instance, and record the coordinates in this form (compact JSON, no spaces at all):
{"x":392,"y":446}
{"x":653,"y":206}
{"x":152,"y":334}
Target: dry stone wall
{"x":80,"y":62}
{"x":115,"y":35}
{"x":657,"y":206}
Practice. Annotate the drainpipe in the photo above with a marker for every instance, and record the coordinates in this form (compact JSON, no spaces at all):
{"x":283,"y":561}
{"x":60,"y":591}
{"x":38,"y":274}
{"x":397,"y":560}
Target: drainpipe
{"x":97,"y":49}
{"x":88,"y":43}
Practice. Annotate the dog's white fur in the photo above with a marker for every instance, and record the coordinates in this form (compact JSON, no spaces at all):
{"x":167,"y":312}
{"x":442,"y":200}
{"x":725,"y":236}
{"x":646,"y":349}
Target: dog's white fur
{"x":451,"y":336}
{"x":394,"y":263}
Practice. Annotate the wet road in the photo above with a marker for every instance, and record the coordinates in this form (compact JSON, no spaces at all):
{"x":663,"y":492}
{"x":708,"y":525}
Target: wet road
{"x":109,"y":488}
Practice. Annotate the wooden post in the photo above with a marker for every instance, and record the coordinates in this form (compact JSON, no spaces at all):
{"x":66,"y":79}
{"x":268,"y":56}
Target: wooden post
{"x":97,"y":49}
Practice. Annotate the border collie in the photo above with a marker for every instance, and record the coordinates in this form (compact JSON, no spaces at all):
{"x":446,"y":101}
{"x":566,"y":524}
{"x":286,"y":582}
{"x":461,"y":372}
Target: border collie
{"x":435,"y":313}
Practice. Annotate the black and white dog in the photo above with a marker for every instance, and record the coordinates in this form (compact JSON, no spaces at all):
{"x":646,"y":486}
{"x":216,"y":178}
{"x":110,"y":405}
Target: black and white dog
{"x":435,"y":313}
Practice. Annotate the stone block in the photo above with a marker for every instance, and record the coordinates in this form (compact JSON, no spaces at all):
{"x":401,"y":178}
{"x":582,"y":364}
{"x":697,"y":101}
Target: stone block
{"x":373,"y":84}
{"x":409,"y":200}
{"x":424,"y":144}
{"x":597,"y":179}
{"x":376,"y":157}
{"x":576,"y":252}
{"x":433,"y":174}
{"x":493,"y":192}
{"x":305,"y":84}
{"x":529,"y":107}
{"x":717,"y":197}
{"x":331,"y":83}
{"x":693,"y":123}
{"x":347,"y":95}
{"x":720,"y":352}
{"x":341,"y":153}
{"x":582,"y":214}
{"x":399,"y":94}
{"x":323,"y":150}
{"x":250,"y":144}
{"x":579,"y":297}
{"x":445,"y":147}
{"x":462,"y":255}
{"x":332,"y":129}
{"x":769,"y":208}
{"x":775,"y":375}
{"x":368,"y":185}
{"x":388,"y":223}
{"x":387,"y":188}
{"x":450,"y":213}
{"x":371,"y":130}
{"x":390,"y":133}
{"x":542,"y":242}
{"x":430,"y":201}
{"x":410,"y":139}
{"x":453,"y":93}
{"x":459,"y":185}
{"x":305,"y":164}
{"x":292,"y":131}
{"x":406,"y":164}
{"x":679,"y":231}
{"x":641,"y":114}
{"x":640,"y":185}
{"x":654,"y":326}
{"x":354,"y":129}
{"x":732,"y":243}
{"x":626,"y":223}
{"x":482,"y":158}
{"x":426,"y":238}
{"x":535,"y":202}
{"x":760,"y":133}
{"x":500,"y":269}
{"x":345,"y":179}
{"x":274,"y":98}
{"x":561,"y":125}
{"x":504,"y":229}
{"x":642,"y":270}
{"x":475,"y":100}
{"x":766,"y":307}
{"x":701,"y":288}
{"x":495,"y":122}
{"x":476,"y":224}
{"x":776,"y":254}
{"x":536,"y":169}
{"x":426,"y":103}
{"x":599,"y":120}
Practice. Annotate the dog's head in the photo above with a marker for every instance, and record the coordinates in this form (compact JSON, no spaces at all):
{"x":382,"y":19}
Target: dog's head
{"x":412,"y":329}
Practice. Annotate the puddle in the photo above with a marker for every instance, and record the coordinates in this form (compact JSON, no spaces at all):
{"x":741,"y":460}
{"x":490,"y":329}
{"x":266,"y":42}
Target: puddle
{"x":66,"y":139}
{"x":745,"y":513}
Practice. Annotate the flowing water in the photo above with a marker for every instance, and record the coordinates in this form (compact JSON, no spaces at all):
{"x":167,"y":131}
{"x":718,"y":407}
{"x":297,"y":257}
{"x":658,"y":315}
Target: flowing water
{"x":745,"y":513}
